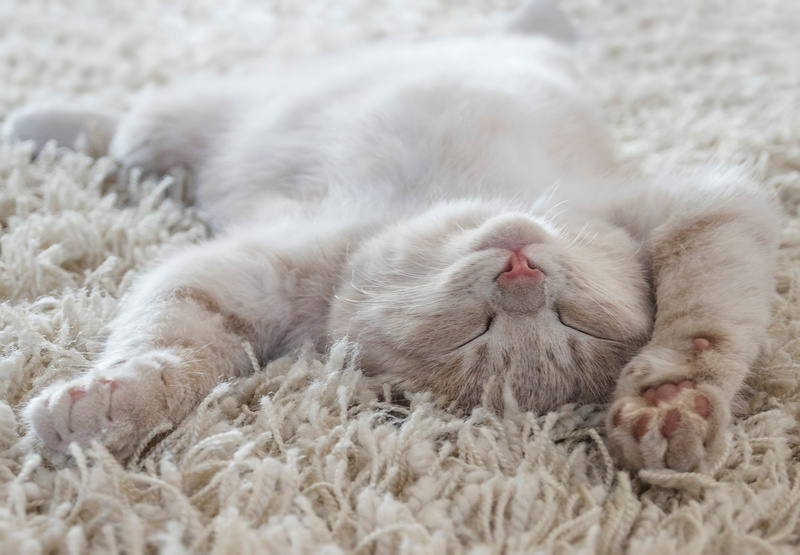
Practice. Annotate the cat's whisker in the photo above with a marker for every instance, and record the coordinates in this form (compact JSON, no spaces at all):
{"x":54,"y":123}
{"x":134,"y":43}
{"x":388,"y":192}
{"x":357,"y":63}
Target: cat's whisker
{"x":587,"y":241}
{"x":577,"y":237}
{"x":547,"y":214}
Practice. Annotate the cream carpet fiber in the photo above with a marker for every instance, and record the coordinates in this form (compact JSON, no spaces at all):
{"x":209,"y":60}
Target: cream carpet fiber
{"x":300,"y":457}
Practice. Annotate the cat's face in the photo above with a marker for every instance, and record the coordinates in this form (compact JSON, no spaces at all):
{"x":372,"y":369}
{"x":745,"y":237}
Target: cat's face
{"x":468,"y":291}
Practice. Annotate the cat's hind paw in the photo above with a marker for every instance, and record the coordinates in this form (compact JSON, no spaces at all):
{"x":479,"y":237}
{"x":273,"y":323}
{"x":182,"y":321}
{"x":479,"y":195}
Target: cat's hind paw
{"x":670,"y":425}
{"x":88,"y":131}
{"x":171,"y":128}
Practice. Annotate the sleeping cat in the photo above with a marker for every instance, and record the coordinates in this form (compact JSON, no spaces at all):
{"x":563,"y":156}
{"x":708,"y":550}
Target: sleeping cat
{"x":454,"y":207}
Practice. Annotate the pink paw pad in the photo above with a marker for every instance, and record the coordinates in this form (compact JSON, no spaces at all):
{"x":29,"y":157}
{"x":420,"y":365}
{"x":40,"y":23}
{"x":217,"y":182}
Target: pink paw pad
{"x":641,"y":427}
{"x":665,"y":393}
{"x":77,"y":393}
{"x":112,"y":384}
{"x":702,"y":406}
{"x":701,"y":344}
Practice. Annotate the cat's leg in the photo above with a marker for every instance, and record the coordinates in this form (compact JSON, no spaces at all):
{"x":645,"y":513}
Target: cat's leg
{"x":712,"y":260}
{"x":176,"y":126}
{"x":166,"y":128}
{"x":180,"y":333}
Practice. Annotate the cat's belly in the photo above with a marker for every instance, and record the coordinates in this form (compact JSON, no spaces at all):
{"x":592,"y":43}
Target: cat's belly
{"x":501,"y":116}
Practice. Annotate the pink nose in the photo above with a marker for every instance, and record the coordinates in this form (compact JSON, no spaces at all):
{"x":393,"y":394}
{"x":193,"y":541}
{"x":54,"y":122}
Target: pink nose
{"x":519,"y":269}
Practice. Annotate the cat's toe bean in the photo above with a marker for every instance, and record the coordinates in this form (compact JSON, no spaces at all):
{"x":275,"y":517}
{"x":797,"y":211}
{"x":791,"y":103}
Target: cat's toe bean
{"x":89,"y":414}
{"x":61,"y":414}
{"x":702,"y":406}
{"x":701,"y":344}
{"x":669,"y":425}
{"x":666,"y":392}
{"x":112,"y":384}
{"x":77,"y":393}
{"x":58,"y":411}
{"x":641,"y":428}
{"x":38,"y":414}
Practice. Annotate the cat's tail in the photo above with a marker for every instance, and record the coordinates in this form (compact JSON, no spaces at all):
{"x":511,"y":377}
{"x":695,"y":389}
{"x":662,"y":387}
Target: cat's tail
{"x":544,"y":18}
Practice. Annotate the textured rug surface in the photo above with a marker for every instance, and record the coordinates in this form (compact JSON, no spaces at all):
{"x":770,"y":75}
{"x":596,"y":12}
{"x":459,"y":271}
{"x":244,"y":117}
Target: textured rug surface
{"x":301,"y":457}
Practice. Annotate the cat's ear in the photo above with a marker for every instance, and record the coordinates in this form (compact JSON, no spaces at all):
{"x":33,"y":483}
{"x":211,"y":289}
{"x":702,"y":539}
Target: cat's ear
{"x":543,"y":17}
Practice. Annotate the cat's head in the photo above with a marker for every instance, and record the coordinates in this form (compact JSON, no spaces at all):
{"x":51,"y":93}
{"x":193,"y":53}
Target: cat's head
{"x":467,"y":291}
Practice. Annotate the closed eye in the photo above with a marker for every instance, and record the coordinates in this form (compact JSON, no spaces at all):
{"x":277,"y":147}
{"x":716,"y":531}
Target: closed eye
{"x":580,"y":329}
{"x":488,"y":325}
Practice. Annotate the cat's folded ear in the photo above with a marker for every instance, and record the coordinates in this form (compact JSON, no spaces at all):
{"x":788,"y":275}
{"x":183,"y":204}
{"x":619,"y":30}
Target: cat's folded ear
{"x":543,"y":17}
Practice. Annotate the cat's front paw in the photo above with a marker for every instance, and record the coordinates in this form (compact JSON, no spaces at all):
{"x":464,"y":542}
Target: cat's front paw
{"x":118,"y":407}
{"x":668,"y":425}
